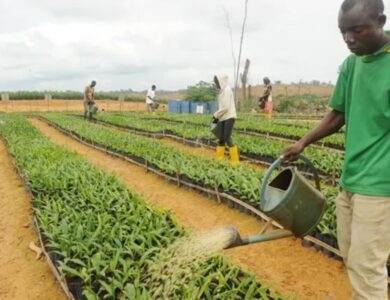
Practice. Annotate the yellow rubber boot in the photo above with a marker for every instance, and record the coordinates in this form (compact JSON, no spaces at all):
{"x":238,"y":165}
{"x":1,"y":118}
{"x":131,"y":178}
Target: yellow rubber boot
{"x":220,"y":152}
{"x":234,"y":156}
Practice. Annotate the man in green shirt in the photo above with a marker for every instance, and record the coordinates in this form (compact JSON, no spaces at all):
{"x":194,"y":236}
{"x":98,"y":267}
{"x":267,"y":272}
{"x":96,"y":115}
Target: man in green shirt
{"x":361,"y":102}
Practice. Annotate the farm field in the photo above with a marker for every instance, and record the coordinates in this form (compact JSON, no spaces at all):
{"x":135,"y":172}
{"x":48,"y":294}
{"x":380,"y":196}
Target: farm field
{"x":66,"y":105}
{"x":129,"y":243}
{"x":21,"y":275}
{"x":89,"y":185}
{"x":262,"y":148}
{"x":198,"y":213}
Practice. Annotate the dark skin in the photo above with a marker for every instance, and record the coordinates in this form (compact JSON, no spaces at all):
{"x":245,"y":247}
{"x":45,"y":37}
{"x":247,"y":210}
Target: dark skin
{"x":93,"y":83}
{"x":362,"y":32}
{"x":363,"y":35}
{"x":217,"y":85}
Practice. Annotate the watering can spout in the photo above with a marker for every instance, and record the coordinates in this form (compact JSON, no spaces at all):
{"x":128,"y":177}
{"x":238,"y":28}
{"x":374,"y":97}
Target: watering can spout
{"x":237,"y":241}
{"x":235,"y":238}
{"x":289,"y":200}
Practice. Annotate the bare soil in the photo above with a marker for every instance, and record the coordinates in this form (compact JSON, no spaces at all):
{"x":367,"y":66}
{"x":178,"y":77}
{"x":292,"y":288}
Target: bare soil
{"x":202,"y":151}
{"x":21,"y":275}
{"x":283,"y":264}
{"x":69,"y":105}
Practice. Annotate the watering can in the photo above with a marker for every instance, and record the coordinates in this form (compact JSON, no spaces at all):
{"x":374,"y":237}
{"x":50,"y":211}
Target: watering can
{"x":216,"y":129}
{"x":290,"y":200}
{"x":94,"y":110}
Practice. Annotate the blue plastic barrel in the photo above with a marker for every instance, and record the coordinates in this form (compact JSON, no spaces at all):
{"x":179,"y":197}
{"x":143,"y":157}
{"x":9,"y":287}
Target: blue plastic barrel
{"x":213,"y":106}
{"x":173,"y":106}
{"x":206,"y":108}
{"x":185,"y":107}
{"x":193,"y":106}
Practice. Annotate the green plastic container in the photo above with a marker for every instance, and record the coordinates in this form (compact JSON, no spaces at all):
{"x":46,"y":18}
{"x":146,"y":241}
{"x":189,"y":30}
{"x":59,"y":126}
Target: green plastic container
{"x":291,"y":200}
{"x":94,"y":110}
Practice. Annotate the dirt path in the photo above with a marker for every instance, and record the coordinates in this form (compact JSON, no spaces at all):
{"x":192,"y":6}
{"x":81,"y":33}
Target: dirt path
{"x":283,"y":264}
{"x":69,"y":105}
{"x":202,"y":151}
{"x":21,"y":275}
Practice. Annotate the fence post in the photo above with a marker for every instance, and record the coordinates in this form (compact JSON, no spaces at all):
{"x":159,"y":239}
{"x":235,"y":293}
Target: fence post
{"x":5,"y":99}
{"x":48,"y":98}
{"x":121,"y":100}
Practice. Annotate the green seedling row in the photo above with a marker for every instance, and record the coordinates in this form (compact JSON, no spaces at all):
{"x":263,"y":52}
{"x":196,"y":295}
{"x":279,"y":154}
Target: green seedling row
{"x":254,"y":123}
{"x":240,"y":181}
{"x":327,"y":162}
{"x":103,"y":237}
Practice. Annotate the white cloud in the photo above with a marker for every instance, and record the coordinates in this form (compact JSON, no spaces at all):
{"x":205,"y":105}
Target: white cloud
{"x":47,"y":44}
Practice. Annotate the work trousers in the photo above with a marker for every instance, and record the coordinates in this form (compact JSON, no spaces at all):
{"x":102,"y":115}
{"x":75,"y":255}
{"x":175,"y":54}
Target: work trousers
{"x":363,"y":233}
{"x":226,"y":133}
{"x":149,"y":107}
{"x":88,"y":109}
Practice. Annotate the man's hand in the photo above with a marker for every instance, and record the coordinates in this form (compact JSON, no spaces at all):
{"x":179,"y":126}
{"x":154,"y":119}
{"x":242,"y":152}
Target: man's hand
{"x":291,"y":153}
{"x":215,"y":120}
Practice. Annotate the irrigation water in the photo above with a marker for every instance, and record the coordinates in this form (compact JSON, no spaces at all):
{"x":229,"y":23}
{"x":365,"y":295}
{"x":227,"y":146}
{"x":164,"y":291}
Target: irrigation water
{"x":177,"y":263}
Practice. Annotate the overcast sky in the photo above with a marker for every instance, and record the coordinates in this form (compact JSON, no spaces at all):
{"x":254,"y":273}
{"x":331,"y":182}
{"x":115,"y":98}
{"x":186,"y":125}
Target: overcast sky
{"x":59,"y":45}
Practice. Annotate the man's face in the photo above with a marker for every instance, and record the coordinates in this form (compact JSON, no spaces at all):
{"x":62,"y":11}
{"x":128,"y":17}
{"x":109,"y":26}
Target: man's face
{"x":93,"y":83}
{"x":361,"y":32}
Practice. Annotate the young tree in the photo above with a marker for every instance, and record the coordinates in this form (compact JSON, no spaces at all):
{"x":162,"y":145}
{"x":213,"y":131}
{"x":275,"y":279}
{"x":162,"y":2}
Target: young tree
{"x":202,"y":91}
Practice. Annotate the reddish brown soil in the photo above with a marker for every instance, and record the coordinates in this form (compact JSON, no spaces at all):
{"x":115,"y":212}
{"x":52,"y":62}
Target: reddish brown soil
{"x":21,"y":275}
{"x":284,"y":264}
{"x":69,"y":105}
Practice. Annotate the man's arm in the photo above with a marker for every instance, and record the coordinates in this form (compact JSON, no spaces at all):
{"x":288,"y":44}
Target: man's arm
{"x":330,"y":124}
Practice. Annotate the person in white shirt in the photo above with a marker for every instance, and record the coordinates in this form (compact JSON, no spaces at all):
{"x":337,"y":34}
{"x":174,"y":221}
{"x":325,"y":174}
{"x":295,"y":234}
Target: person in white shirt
{"x":150,"y":98}
{"x":225,"y":116}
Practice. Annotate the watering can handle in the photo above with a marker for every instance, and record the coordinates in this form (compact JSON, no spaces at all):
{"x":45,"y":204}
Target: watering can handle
{"x":275,"y":165}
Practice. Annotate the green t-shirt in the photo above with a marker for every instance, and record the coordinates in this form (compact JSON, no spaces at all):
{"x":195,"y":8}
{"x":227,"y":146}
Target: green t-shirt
{"x":363,"y":93}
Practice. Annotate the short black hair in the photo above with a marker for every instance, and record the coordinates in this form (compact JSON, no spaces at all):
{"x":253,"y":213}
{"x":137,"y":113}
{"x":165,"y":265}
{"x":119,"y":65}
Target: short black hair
{"x":153,"y":86}
{"x":375,"y":8}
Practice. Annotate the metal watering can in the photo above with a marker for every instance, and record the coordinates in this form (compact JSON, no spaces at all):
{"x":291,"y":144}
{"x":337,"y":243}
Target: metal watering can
{"x":290,"y":200}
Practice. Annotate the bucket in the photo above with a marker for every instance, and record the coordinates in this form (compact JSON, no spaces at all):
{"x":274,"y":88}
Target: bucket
{"x":94,"y":109}
{"x":291,"y":200}
{"x":216,"y":129}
